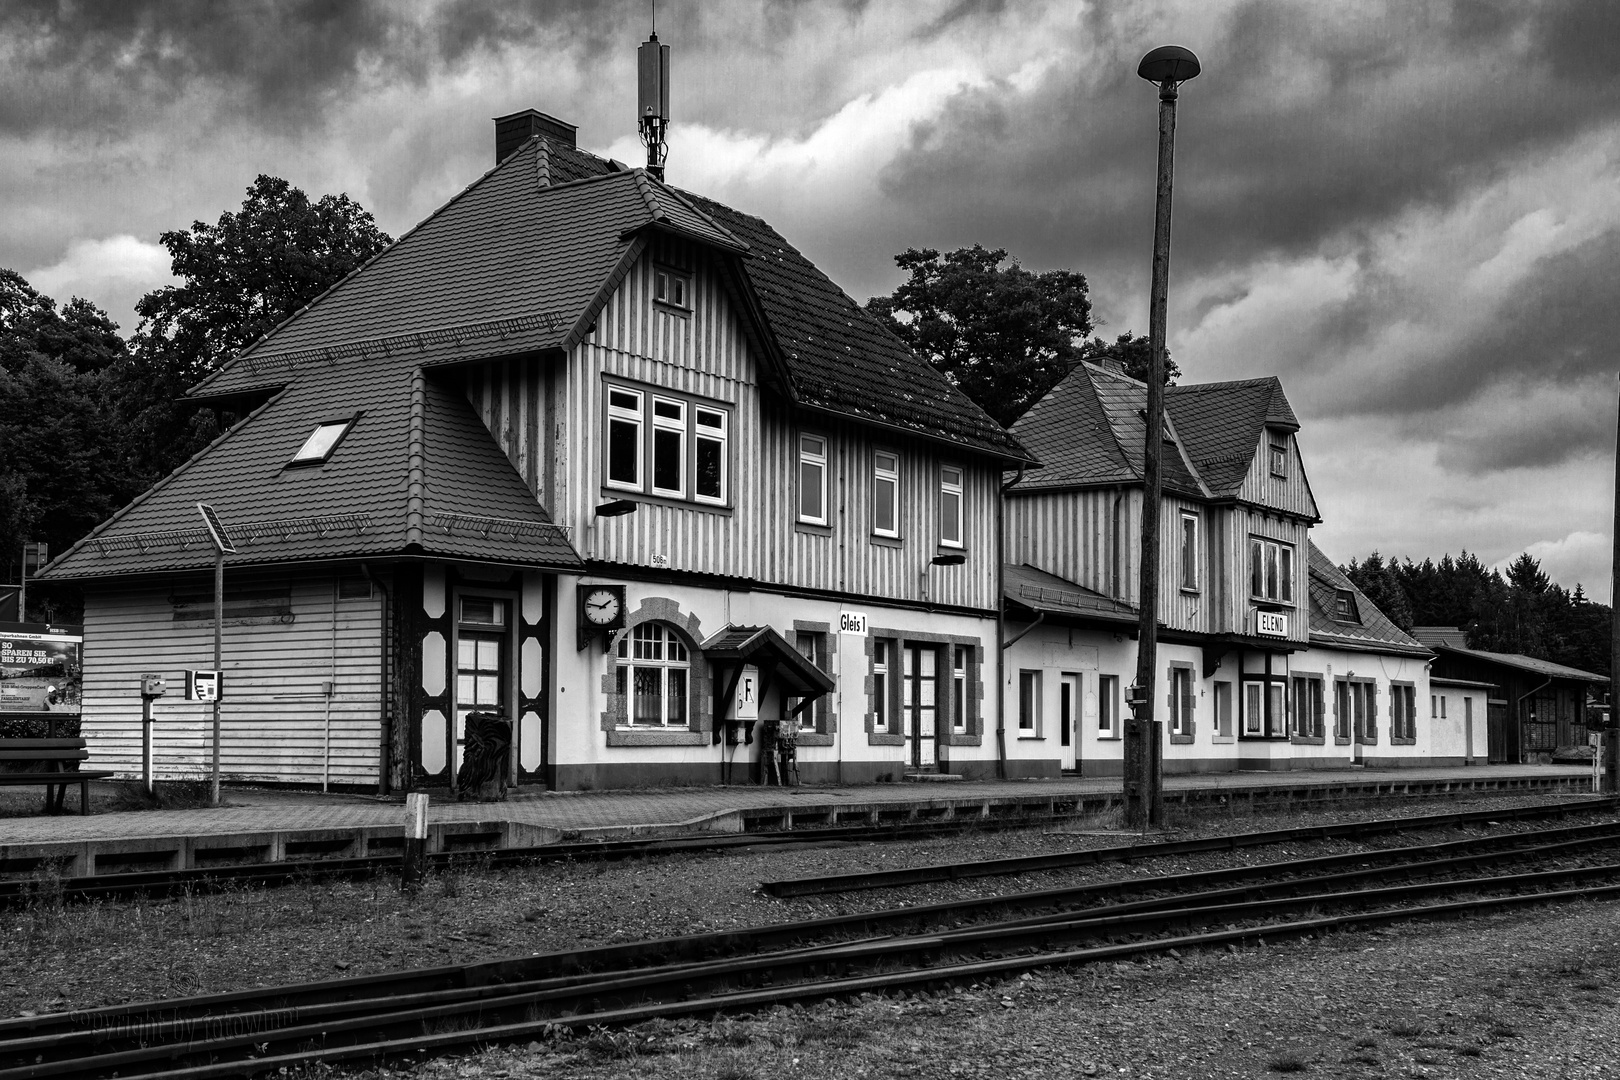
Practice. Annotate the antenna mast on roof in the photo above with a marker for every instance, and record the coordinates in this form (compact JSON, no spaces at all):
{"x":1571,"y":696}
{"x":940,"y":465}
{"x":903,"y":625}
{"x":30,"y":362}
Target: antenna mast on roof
{"x":652,"y":69}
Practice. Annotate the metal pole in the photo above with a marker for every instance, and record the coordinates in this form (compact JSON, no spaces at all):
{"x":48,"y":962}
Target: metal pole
{"x":219,"y":649}
{"x":22,"y":588}
{"x":1611,"y":740}
{"x":146,"y":742}
{"x":1145,"y":803}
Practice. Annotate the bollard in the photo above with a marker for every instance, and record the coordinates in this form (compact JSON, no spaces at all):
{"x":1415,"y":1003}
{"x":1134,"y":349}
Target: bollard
{"x":414,"y":867}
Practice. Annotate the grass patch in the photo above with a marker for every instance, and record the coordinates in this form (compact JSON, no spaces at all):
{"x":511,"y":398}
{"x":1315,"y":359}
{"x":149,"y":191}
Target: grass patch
{"x":165,"y":795}
{"x":1290,"y":1062}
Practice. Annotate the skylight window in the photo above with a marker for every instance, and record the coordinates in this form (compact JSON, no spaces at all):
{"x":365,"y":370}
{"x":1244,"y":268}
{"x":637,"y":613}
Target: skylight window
{"x":325,"y":438}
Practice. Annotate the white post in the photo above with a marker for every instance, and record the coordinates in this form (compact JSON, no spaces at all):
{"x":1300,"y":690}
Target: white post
{"x":414,"y":867}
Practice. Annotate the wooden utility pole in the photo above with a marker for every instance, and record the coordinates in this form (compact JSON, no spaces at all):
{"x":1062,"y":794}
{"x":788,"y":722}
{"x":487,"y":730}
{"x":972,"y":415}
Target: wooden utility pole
{"x":1168,"y":66}
{"x":1611,"y":737}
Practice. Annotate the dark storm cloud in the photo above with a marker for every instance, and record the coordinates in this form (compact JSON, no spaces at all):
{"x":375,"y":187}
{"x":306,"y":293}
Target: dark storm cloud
{"x":73,"y":67}
{"x":1299,"y":128}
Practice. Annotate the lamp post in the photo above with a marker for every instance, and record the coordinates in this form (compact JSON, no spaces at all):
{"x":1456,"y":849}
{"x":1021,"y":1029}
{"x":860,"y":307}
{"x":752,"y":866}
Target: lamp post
{"x":1168,"y":66}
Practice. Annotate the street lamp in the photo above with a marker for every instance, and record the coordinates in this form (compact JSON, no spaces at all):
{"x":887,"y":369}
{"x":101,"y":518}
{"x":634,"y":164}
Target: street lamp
{"x":1169,"y":66}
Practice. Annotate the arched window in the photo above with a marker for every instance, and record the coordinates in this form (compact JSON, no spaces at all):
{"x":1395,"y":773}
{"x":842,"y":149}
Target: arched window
{"x":653,"y":676}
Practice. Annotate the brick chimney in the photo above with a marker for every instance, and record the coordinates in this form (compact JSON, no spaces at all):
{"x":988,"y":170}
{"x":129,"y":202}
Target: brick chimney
{"x":518,"y":128}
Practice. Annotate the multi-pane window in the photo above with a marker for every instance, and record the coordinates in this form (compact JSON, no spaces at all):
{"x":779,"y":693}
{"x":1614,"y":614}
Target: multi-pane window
{"x":1341,"y":709}
{"x":672,"y":288}
{"x":1264,"y":715}
{"x":709,"y":440}
{"x":959,"y":688}
{"x":1029,"y":702}
{"x":624,"y":438}
{"x":1223,"y":709}
{"x":885,"y":493}
{"x":480,"y":655}
{"x":1189,"y":551}
{"x":883,"y":650}
{"x":1355,"y":702}
{"x":1402,"y":712}
{"x":652,"y":673}
{"x":812,"y":645}
{"x":667,"y":445}
{"x":1306,"y":706}
{"x":1181,"y":701}
{"x":1271,"y":570}
{"x":1279,"y":459}
{"x":950,"y":506}
{"x":813,"y":479}
{"x":1108,"y":706}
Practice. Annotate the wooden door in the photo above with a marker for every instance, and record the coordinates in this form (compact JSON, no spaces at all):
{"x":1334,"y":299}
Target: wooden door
{"x":919,"y":703}
{"x":1069,"y":722}
{"x":1496,"y":731}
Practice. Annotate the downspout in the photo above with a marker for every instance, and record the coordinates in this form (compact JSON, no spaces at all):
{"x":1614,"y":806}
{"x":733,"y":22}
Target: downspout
{"x":384,"y":683}
{"x":1001,"y":623}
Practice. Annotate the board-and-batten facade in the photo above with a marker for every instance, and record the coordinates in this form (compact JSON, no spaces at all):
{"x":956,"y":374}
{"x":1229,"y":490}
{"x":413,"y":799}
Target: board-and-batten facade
{"x":571,"y":392}
{"x":1269,"y":658}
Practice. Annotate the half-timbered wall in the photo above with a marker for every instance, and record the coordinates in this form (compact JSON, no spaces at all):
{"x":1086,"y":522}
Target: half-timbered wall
{"x":277,"y":721}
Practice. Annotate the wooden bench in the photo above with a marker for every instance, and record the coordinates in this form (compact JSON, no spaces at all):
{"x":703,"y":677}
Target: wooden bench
{"x":51,"y":762}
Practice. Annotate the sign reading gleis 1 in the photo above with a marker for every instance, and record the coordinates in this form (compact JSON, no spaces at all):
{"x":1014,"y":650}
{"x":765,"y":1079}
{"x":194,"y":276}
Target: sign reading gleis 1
{"x":852,"y":622}
{"x":1271,"y":623}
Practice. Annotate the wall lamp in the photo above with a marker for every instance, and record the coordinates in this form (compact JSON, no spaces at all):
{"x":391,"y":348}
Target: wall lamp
{"x":616,"y":508}
{"x":947,"y":560}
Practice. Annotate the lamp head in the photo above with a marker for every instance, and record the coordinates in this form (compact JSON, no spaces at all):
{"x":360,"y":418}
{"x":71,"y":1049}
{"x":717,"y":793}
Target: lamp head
{"x":1169,"y":64}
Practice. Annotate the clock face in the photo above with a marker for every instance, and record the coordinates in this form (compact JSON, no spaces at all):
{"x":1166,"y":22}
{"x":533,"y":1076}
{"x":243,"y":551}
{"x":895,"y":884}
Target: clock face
{"x":602,"y":607}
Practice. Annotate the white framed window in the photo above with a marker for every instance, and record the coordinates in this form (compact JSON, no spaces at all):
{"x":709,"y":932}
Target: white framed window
{"x":1271,"y":570}
{"x":959,"y":688}
{"x":1402,"y":711}
{"x":624,"y":438}
{"x":711,"y":434}
{"x":652,"y":674}
{"x":1278,"y":454}
{"x":1254,"y":715}
{"x":1223,"y":710}
{"x":950,"y":506}
{"x":667,"y":444}
{"x":1181,"y":701}
{"x":1108,"y":706}
{"x":668,"y":447}
{"x":882,"y":657}
{"x":1306,"y":706}
{"x":1189,"y":551}
{"x":322,"y":442}
{"x":813,"y":479}
{"x":1029,"y":702}
{"x":885,"y":493}
{"x":672,"y":287}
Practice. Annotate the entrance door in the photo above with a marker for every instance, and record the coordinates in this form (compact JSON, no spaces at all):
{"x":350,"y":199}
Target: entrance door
{"x":480,"y":665}
{"x":1496,"y":733}
{"x":919,"y":697}
{"x":1069,"y":721}
{"x":1359,"y":703}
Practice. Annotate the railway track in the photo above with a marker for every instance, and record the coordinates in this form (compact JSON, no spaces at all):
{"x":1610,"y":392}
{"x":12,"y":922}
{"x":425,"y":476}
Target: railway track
{"x":407,"y":1013}
{"x":22,"y":891}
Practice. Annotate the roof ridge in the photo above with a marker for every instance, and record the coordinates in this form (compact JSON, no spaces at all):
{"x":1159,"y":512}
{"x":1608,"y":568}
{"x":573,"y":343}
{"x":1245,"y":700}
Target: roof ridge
{"x":542,"y":163}
{"x":335,"y":286}
{"x":678,"y":197}
{"x":648,"y":196}
{"x":174,"y":475}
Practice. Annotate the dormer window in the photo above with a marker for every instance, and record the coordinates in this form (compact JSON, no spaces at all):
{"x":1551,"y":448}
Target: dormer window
{"x":672,"y":288}
{"x":1344,"y":606}
{"x":322,"y":442}
{"x":1279,"y":459}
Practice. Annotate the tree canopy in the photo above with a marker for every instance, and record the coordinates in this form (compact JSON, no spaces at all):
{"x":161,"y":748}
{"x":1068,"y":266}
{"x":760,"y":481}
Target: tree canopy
{"x":1135,"y":353}
{"x":87,"y":423}
{"x":1004,"y":335}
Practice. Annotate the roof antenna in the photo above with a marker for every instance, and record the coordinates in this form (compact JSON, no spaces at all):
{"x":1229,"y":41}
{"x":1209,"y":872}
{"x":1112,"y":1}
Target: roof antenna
{"x":652,"y":69}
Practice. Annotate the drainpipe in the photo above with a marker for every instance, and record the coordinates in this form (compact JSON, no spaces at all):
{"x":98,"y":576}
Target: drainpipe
{"x":1001,"y":623}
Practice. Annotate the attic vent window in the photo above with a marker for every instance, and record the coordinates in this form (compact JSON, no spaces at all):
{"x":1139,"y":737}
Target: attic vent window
{"x":1344,"y":606}
{"x":319,"y":446}
{"x":672,"y":288}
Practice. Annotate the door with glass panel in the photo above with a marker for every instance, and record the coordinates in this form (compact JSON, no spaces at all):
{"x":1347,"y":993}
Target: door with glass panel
{"x":919,"y":702}
{"x":1068,"y":721}
{"x":481,"y":663}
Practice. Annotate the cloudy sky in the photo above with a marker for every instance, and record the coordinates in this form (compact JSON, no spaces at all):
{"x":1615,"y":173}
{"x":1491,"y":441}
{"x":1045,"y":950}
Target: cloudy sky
{"x":1407,"y":210}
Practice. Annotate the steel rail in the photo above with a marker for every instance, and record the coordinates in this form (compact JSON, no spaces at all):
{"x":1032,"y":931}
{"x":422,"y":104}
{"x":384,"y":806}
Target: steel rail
{"x":915,"y":875}
{"x":406,"y":1024}
{"x":1370,"y":864}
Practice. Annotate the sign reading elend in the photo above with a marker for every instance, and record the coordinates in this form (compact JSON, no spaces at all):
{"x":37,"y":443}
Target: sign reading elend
{"x":1271,"y":623}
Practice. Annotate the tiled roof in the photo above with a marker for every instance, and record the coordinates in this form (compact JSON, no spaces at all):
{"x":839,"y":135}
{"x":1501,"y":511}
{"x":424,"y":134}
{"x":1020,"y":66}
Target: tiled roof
{"x":842,"y":359}
{"x":1091,"y":429}
{"x":1037,"y":590}
{"x":1375,"y":629}
{"x":1220,"y":425}
{"x":359,"y":503}
{"x":1544,"y":668}
{"x":755,"y":644}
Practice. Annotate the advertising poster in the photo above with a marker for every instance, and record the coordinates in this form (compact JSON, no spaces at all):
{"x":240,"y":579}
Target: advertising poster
{"x":40,"y":668}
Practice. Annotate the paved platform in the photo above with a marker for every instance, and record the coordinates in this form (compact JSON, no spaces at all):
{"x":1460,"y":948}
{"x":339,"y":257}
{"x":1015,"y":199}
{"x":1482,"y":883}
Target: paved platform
{"x":264,"y":825}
